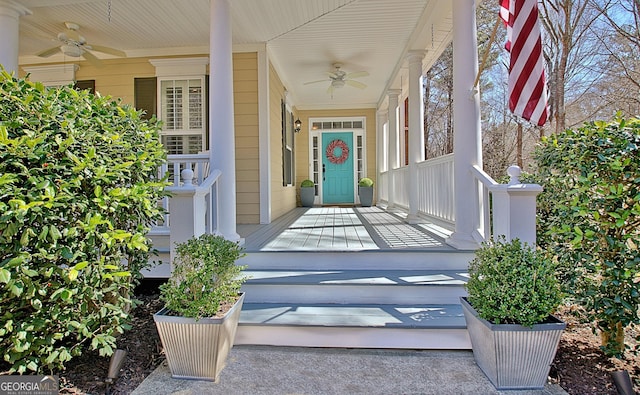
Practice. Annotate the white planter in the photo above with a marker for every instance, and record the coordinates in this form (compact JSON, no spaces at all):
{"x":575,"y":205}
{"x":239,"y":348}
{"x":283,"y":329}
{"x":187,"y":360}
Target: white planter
{"x":198,"y":349}
{"x":513,"y":356}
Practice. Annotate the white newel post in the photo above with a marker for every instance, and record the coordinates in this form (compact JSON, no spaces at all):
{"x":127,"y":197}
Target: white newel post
{"x":416,"y":130}
{"x":186,"y":212}
{"x":514,"y":206}
{"x":467,"y":140}
{"x":393,"y":144}
{"x":221,"y":124}
{"x":10,"y":13}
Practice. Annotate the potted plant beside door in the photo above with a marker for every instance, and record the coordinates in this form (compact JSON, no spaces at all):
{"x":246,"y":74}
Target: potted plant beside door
{"x":202,"y":299}
{"x":513,"y":291}
{"x":307,"y":193}
{"x":365,"y":191}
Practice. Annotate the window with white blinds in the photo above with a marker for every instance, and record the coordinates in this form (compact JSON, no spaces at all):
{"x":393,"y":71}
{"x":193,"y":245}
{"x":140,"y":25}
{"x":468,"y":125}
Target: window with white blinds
{"x":182,"y":115}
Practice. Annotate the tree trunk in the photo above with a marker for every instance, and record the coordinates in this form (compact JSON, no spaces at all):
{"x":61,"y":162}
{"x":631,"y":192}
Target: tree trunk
{"x":613,"y":336}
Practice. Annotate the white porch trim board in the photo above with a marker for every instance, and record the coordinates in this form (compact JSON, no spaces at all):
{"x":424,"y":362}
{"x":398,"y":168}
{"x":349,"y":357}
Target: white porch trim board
{"x":393,"y":156}
{"x":264,"y":125}
{"x":221,"y":119}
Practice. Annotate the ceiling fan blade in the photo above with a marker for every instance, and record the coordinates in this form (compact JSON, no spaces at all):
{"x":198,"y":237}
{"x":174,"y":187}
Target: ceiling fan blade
{"x":107,"y":50}
{"x":356,"y":84}
{"x":91,"y":58}
{"x":48,"y":52}
{"x":315,"y":82}
{"x":357,"y":74}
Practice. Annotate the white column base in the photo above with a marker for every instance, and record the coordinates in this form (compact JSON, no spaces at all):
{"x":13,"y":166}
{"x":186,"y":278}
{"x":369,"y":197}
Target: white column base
{"x":462,"y":241}
{"x":413,"y":219}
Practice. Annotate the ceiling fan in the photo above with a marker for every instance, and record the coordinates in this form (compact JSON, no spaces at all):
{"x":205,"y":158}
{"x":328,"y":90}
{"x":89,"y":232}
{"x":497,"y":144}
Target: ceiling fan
{"x":339,"y":78}
{"x":75,"y":45}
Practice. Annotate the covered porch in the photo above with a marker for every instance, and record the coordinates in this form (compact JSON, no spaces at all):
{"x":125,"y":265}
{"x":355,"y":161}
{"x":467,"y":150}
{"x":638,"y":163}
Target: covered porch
{"x":388,"y":276}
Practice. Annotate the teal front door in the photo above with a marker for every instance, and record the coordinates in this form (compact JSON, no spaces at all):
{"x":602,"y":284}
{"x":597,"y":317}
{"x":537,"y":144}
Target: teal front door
{"x":337,"y":168}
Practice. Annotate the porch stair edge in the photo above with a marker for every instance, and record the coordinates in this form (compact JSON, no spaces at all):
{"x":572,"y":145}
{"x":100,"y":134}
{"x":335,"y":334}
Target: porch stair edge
{"x":355,"y":300}
{"x":401,"y":259}
{"x":353,"y":326}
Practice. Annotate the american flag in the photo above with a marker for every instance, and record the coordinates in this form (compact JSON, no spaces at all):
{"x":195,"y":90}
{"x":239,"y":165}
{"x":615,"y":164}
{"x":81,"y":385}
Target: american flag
{"x":527,"y":87}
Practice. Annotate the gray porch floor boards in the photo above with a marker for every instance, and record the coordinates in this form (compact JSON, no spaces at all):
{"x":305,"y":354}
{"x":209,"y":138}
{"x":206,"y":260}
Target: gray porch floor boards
{"x":341,"y":229}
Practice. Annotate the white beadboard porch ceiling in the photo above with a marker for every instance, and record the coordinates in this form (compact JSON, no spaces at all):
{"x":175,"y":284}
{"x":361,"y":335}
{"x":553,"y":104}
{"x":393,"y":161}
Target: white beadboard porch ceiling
{"x":304,"y":37}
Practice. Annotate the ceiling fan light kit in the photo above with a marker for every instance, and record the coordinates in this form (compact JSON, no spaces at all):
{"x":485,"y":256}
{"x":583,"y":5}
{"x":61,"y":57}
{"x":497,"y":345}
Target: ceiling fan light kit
{"x":75,"y":45}
{"x":339,"y":78}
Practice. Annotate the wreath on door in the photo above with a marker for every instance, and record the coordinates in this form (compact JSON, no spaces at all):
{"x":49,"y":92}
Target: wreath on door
{"x":331,"y":148}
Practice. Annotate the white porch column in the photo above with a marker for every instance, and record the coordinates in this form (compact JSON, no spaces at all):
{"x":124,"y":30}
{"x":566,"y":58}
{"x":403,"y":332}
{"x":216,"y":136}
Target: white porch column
{"x":221,"y":124}
{"x":416,"y":130}
{"x":381,"y":118}
{"x":393,"y":143}
{"x":467,"y":141}
{"x":10,"y":13}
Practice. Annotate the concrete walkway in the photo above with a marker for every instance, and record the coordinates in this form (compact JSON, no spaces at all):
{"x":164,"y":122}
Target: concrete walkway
{"x":256,"y":370}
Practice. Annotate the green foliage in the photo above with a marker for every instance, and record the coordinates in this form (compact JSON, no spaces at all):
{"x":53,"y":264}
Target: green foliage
{"x":590,"y":219}
{"x":365,"y":182}
{"x":307,"y":184}
{"x":205,"y":276}
{"x":511,"y":283}
{"x":77,"y":195}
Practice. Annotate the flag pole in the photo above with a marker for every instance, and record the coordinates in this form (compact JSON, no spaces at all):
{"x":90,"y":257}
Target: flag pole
{"x":486,"y":52}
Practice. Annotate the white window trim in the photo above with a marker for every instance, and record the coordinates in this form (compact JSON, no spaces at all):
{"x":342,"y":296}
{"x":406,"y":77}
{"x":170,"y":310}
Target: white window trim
{"x":55,"y":75}
{"x":181,"y":69}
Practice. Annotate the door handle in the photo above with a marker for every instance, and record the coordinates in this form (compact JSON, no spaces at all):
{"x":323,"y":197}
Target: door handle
{"x":324,"y":169}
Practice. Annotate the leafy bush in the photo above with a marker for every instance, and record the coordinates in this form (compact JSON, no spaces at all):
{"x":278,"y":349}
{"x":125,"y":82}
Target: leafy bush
{"x":205,"y":276}
{"x":307,"y":184}
{"x":591,"y":220}
{"x":511,"y":283}
{"x":77,"y":196}
{"x":365,"y":182}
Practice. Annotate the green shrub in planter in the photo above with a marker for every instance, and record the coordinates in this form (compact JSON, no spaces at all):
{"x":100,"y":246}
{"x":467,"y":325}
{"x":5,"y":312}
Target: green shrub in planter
{"x":365,"y":182}
{"x":78,"y":194}
{"x":307,"y":184}
{"x":512,"y":283}
{"x":205,"y":277}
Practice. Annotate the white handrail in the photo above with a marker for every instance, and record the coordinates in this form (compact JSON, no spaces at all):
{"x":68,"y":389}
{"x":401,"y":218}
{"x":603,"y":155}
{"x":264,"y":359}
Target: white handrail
{"x":484,"y":213}
{"x":483,"y":177}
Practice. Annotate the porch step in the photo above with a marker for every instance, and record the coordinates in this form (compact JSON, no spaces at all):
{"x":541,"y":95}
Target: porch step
{"x":333,"y":299}
{"x":421,"y":326}
{"x":355,"y":286}
{"x":432,"y":259}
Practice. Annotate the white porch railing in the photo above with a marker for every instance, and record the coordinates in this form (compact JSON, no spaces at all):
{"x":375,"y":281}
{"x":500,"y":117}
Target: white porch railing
{"x":193,"y":206}
{"x":502,"y":209}
{"x":513,"y":213}
{"x":435,"y":186}
{"x":199,"y":163}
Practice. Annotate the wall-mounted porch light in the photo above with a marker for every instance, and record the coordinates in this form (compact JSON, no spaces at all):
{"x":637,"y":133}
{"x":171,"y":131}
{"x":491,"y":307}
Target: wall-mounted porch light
{"x":297,"y":125}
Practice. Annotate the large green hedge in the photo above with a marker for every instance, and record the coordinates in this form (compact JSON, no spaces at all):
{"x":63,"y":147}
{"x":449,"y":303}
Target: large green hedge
{"x":589,"y":217}
{"x":77,"y":197}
